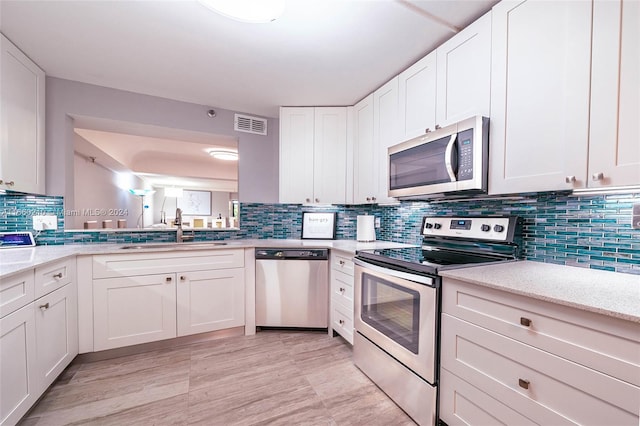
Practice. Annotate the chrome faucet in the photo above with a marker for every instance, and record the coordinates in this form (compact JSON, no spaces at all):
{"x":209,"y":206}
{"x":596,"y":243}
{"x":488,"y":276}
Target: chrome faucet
{"x":180,"y":237}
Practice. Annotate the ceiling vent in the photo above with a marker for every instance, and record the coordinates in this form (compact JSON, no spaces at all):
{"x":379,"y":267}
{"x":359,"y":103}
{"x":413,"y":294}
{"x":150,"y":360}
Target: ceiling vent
{"x":249,"y":124}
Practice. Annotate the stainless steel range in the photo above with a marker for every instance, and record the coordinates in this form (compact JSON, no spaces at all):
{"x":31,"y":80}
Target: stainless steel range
{"x":397,"y":303}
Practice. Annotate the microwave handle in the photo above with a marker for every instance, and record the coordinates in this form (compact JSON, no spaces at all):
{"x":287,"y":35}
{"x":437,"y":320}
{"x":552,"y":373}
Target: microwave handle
{"x":448,"y":158}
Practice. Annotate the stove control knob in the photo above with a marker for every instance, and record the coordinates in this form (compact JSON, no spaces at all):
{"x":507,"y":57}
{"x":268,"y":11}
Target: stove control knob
{"x":485,"y":228}
{"x":428,"y":225}
{"x":498,"y":228}
{"x":437,"y":226}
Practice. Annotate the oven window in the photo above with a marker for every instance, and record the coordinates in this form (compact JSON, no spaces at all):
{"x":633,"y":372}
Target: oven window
{"x":421,"y":165}
{"x":391,"y":309}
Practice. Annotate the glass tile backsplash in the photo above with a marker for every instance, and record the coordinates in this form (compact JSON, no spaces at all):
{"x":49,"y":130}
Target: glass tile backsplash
{"x":586,"y":231}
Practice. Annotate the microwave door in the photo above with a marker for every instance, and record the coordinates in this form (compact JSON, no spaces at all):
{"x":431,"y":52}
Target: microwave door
{"x":430,"y":163}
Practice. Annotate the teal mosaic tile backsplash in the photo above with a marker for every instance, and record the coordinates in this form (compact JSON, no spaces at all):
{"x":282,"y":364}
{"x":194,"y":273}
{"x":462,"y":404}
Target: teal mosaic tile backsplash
{"x":587,"y":231}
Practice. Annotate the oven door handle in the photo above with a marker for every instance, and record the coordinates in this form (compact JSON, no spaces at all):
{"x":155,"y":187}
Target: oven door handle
{"x":397,"y":274}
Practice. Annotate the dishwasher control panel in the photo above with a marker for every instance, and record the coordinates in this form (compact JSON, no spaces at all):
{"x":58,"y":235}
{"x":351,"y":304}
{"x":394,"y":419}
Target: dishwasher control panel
{"x":292,"y":254}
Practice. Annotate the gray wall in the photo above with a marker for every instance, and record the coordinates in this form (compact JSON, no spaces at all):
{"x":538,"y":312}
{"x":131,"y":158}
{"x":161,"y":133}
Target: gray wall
{"x":65,"y":99}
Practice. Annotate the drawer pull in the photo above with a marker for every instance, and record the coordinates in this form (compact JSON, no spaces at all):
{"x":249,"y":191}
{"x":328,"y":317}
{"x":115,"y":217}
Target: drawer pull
{"x":44,"y":307}
{"x":342,"y":290}
{"x":168,"y":279}
{"x":341,"y":263}
{"x":524,"y":384}
{"x":341,"y":322}
{"x":58,"y":275}
{"x":182,"y":278}
{"x":525,"y":321}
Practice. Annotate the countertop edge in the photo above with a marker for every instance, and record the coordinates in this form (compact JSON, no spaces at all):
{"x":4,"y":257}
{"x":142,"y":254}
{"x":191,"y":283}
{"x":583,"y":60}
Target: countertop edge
{"x":502,"y":272}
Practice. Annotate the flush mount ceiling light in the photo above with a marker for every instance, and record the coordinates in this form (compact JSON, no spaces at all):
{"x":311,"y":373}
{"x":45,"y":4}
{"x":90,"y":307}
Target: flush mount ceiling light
{"x":223,"y":154}
{"x":254,"y":11}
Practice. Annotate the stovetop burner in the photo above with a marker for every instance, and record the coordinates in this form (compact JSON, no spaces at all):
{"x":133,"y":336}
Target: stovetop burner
{"x":453,"y":242}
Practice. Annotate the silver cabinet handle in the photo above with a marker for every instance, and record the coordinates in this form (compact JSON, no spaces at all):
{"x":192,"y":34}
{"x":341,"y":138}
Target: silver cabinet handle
{"x":44,"y":307}
{"x":570,"y":179}
{"x":427,"y":130}
{"x":58,"y":275}
{"x":308,"y":200}
{"x":1,"y":181}
{"x":597,"y":176}
{"x":10,"y":183}
{"x":341,"y":289}
{"x":168,"y":279}
{"x":373,"y":198}
{"x":525,"y":321}
{"x":183,"y":278}
{"x":438,"y":127}
{"x":524,"y":384}
{"x":341,"y":322}
{"x":317,"y":200}
{"x":341,"y":262}
{"x":368,"y":198}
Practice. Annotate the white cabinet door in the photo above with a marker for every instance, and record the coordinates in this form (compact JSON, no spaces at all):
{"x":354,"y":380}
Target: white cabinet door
{"x":56,"y":332}
{"x":417,"y":96}
{"x":540,"y":80}
{"x":330,"y":155}
{"x":210,"y":300}
{"x":385,"y":132}
{"x":132,"y":310}
{"x":19,"y":387}
{"x":22,"y":85}
{"x":365,"y":181}
{"x":464,"y":74}
{"x":614,"y":142}
{"x":296,"y":154}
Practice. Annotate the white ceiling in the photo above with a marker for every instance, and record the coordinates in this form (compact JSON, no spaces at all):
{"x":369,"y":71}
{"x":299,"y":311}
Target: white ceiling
{"x":320,"y":52}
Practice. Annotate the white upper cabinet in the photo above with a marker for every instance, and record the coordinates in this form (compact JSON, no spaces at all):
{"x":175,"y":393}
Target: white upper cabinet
{"x":22,"y":85}
{"x":330,"y":155}
{"x":385,"y":133}
{"x":313,"y":155}
{"x":464,"y":74}
{"x":614,"y":139}
{"x":365,"y":180}
{"x":417,"y":97}
{"x":540,"y":80}
{"x":296,"y":154}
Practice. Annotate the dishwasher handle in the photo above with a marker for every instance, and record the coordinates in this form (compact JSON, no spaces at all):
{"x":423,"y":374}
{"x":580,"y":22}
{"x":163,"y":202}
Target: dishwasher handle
{"x":292,"y":254}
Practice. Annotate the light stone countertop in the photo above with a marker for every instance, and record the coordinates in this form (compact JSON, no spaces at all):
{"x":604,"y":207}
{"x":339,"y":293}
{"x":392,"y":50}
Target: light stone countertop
{"x":16,"y":260}
{"x":608,"y":293}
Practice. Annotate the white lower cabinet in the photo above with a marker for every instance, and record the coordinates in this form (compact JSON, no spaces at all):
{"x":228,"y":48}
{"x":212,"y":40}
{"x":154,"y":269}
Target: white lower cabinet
{"x":18,"y":383}
{"x":38,"y":338}
{"x":342,"y":295}
{"x":210,"y":300}
{"x":133,"y":310}
{"x":508,"y":359}
{"x":198,"y":291}
{"x":56,"y":320}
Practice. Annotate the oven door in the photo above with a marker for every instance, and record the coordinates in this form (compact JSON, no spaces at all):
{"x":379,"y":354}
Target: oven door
{"x":398,"y":312}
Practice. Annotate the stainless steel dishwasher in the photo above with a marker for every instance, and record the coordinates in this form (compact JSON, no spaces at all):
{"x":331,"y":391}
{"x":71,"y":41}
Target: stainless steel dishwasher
{"x":292,"y":287}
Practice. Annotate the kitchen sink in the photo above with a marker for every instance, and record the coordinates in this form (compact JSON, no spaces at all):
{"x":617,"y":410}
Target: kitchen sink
{"x":185,"y":246}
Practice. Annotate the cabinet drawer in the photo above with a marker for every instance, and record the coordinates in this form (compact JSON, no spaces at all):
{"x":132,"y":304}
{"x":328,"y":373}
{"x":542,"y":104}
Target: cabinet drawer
{"x":52,"y":277}
{"x":342,"y":263}
{"x":15,"y":292}
{"x":604,"y":343}
{"x":117,"y":265}
{"x":342,"y":322}
{"x":463,"y":404}
{"x":545,"y":388}
{"x":342,"y":288}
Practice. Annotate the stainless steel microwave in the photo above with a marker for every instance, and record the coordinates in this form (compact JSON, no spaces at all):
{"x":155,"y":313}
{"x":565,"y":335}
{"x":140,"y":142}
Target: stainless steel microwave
{"x":449,"y":161}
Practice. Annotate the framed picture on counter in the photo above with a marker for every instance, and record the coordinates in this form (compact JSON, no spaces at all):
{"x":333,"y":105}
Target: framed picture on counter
{"x":319,"y":226}
{"x":195,"y":203}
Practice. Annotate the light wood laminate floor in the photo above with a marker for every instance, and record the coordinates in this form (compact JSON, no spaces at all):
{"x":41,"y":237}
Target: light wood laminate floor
{"x":274,"y":378}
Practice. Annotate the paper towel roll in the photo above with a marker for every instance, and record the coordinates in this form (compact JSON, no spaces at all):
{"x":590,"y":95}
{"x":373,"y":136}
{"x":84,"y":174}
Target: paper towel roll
{"x":366,"y":229}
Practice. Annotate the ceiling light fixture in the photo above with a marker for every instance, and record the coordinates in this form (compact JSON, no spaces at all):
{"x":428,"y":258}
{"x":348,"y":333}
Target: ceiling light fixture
{"x":253,"y":11}
{"x":223,"y":154}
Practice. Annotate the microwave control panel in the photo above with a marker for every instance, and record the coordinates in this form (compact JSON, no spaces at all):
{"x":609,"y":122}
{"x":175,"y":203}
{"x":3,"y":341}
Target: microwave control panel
{"x":465,"y":155}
